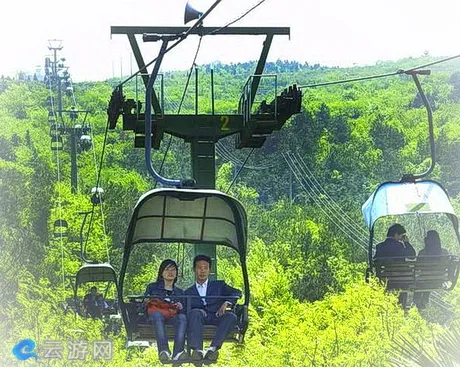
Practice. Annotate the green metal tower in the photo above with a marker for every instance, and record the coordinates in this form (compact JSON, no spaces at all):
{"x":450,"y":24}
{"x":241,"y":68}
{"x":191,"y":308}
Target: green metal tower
{"x":251,"y":124}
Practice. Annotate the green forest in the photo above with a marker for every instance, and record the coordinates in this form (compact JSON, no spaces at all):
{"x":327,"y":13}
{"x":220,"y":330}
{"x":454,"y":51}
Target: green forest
{"x":307,"y":247}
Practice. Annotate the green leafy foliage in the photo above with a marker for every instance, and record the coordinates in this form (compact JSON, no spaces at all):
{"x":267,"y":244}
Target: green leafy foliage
{"x":309,"y":303}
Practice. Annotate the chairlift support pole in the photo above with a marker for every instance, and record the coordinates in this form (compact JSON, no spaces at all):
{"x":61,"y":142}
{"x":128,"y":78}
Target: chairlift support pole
{"x":73,"y":162}
{"x":73,"y":135}
{"x":201,"y":131}
{"x":57,"y":80}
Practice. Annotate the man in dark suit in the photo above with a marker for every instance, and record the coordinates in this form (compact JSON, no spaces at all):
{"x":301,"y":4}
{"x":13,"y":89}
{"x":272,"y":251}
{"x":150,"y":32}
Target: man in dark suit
{"x":211,"y":311}
{"x":396,"y":244}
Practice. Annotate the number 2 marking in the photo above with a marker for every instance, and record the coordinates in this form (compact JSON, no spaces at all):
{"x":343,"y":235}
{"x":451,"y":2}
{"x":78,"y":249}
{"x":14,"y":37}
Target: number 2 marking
{"x":224,"y":121}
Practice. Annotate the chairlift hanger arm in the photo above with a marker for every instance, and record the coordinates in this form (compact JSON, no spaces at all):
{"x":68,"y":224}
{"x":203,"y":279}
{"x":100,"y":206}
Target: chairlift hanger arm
{"x":148,"y":121}
{"x":82,"y":247}
{"x":429,"y":112}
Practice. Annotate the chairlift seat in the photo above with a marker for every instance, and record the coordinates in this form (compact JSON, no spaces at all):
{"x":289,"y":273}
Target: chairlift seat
{"x":146,"y":332}
{"x":418,"y":274}
{"x":57,"y":143}
{"x":98,"y":272}
{"x":141,"y":329}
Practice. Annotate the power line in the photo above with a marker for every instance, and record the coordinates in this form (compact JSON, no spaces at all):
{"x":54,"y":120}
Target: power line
{"x":236,"y":19}
{"x":398,"y":72}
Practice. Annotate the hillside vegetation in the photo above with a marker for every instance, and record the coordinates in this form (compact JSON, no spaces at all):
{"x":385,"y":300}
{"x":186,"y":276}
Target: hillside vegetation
{"x":310,"y":305}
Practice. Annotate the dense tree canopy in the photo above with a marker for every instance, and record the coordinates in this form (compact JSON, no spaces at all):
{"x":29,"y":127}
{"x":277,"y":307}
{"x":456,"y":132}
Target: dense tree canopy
{"x":310,"y":305}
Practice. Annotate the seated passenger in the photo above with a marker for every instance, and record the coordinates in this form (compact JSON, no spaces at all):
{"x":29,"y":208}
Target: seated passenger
{"x":429,"y":253}
{"x":209,"y":311}
{"x":94,"y":303}
{"x":432,"y":245}
{"x":396,"y":244}
{"x":165,"y":289}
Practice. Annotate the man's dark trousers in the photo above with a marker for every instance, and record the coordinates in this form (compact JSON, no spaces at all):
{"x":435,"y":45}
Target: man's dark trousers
{"x":196,"y":318}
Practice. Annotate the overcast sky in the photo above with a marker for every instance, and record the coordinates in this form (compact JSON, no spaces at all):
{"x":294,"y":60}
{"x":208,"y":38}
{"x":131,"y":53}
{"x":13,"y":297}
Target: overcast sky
{"x":329,"y":32}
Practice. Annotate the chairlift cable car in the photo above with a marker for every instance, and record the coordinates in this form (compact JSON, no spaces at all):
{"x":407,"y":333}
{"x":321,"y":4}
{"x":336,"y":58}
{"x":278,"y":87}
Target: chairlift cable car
{"x":413,"y":195}
{"x":178,"y":215}
{"x":205,"y":217}
{"x":98,"y":272}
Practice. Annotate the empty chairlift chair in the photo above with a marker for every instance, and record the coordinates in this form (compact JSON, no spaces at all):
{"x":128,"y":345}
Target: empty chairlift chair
{"x":182,"y":215}
{"x":416,"y":274}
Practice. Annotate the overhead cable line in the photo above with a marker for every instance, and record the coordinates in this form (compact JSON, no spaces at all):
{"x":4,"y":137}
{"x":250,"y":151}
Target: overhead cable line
{"x":324,"y":209}
{"x":58,"y":169}
{"x":229,"y":156}
{"x":236,"y":19}
{"x":180,"y":104}
{"x":197,"y":24}
{"x":324,"y":204}
{"x":97,"y":172}
{"x":241,"y":168}
{"x":328,"y":206}
{"x":101,"y":204}
{"x":182,"y":38}
{"x":398,"y":72}
{"x":335,"y":220}
{"x":225,"y":155}
{"x":334,"y":205}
